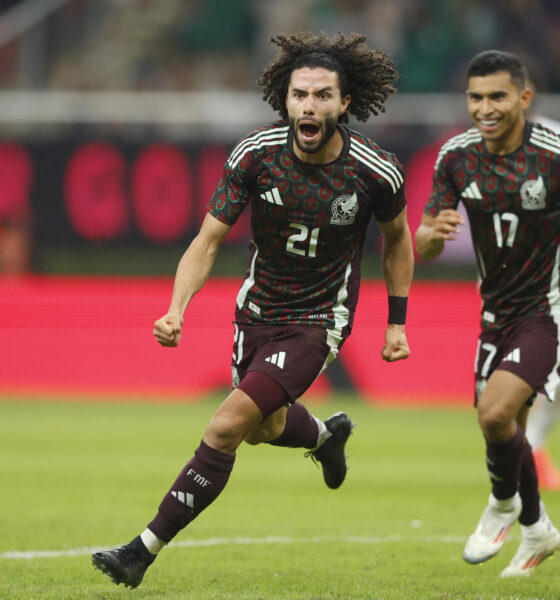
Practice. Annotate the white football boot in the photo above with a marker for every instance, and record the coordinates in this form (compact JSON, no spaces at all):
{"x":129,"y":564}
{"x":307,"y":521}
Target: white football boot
{"x":538,"y":541}
{"x":492,"y":529}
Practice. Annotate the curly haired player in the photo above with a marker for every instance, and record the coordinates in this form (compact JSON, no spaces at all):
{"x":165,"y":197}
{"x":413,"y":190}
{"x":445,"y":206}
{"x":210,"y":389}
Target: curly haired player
{"x":312,"y":186}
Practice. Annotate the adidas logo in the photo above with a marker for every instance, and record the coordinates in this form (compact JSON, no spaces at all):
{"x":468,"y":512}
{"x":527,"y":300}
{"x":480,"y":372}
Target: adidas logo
{"x":472,"y":192}
{"x":277,"y":359}
{"x":272,"y":196}
{"x":187,"y":499}
{"x":513,"y":356}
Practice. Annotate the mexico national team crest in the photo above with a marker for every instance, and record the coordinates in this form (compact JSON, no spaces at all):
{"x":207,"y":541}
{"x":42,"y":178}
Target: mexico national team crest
{"x":344,"y":209}
{"x":533,"y":194}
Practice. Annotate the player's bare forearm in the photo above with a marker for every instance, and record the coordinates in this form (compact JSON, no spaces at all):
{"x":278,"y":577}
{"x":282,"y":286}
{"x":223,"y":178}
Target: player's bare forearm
{"x":398,"y":256}
{"x":432,"y":233}
{"x":398,"y":267}
{"x":192,"y":273}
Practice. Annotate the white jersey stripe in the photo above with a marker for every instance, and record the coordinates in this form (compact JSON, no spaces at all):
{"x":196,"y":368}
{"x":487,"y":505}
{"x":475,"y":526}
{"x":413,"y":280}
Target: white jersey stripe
{"x":368,"y":152}
{"x":259,"y":136}
{"x":239,"y":149}
{"x":546,"y":137}
{"x":386,"y":176}
{"x":279,"y":135}
{"x":459,"y":141}
{"x":553,"y":137}
{"x":553,"y":382}
{"x":545,"y":142}
{"x":269,"y":142}
{"x":248,"y":283}
{"x":341,"y":319}
{"x":545,"y":146}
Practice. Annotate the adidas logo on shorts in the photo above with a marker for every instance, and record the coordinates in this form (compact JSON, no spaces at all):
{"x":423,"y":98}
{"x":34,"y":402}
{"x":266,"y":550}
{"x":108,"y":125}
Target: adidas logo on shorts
{"x":277,"y":359}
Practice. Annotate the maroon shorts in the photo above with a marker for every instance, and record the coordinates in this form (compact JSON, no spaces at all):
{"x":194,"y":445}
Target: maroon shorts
{"x":529,"y":349}
{"x":293,"y":355}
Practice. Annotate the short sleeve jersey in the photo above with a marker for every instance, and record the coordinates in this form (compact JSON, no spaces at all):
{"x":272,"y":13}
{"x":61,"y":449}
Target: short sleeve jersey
{"x":308,"y":224}
{"x":513,"y":205}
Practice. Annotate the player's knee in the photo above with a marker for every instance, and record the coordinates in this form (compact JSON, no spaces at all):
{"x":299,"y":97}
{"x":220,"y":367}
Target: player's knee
{"x":225,"y":434}
{"x":493,"y":420}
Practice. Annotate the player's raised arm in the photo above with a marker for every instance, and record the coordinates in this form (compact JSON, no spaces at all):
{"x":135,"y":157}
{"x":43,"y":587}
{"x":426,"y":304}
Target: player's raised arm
{"x":398,"y":266}
{"x":433,"y":232}
{"x":192,"y":272}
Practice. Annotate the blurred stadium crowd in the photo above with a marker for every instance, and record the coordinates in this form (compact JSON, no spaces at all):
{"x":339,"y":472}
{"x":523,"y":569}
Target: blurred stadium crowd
{"x":215,"y":50}
{"x":184,"y":45}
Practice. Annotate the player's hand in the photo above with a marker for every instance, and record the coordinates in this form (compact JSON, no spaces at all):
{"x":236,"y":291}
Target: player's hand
{"x":167,"y":330}
{"x":396,"y":346}
{"x":446,"y":224}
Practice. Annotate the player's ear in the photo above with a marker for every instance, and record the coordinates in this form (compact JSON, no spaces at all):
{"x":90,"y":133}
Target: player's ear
{"x":526,"y":97}
{"x":344,"y":103}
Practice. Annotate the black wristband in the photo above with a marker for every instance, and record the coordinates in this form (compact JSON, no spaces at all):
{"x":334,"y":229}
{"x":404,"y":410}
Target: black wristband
{"x":397,"y":310}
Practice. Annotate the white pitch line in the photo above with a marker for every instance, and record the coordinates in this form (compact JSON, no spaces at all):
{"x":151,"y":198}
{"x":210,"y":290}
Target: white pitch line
{"x":242,"y":541}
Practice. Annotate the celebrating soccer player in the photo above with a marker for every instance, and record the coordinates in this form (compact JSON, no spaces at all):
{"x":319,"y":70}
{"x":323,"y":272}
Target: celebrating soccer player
{"x":506,"y":171}
{"x":312,"y":185}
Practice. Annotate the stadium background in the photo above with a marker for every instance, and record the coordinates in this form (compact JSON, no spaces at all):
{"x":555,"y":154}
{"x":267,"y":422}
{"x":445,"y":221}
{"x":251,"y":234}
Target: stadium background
{"x":115,"y":119}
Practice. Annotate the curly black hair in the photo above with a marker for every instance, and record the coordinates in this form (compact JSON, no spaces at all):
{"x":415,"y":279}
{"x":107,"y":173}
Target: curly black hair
{"x":367,"y":75}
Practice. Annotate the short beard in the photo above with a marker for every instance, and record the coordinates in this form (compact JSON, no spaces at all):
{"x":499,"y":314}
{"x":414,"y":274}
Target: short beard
{"x":330,"y":129}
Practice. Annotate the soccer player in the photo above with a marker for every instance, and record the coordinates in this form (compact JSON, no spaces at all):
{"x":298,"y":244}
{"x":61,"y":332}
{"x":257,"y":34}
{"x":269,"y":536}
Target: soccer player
{"x":542,"y":419}
{"x":312,"y":185}
{"x":506,"y":172}
{"x":543,"y":416}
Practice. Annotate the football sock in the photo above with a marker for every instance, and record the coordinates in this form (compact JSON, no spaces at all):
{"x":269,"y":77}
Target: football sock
{"x":529,"y":488}
{"x":503,"y":460}
{"x":302,"y":429}
{"x":198,"y":485}
{"x":151,"y":541}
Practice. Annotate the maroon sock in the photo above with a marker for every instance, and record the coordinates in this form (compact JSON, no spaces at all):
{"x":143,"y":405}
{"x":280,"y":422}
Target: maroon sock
{"x":301,"y":429}
{"x":504,"y":465}
{"x":197,"y":486}
{"x":529,"y":488}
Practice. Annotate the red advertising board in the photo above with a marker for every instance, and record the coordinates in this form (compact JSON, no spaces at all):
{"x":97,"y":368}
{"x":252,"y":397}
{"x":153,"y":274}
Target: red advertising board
{"x":76,"y":335}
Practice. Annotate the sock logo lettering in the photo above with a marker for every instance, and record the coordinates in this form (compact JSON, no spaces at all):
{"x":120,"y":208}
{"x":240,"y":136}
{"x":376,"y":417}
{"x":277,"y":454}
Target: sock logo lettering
{"x":202,"y":481}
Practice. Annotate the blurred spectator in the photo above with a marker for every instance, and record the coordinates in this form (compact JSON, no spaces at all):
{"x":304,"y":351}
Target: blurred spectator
{"x":16,"y":230}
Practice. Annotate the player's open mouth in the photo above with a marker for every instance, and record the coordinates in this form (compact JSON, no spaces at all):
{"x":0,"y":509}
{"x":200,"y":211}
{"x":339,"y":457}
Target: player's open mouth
{"x":309,"y":132}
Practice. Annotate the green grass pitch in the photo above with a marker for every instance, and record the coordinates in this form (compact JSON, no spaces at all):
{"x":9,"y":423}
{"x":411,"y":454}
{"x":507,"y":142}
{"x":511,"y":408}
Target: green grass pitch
{"x":76,"y":476}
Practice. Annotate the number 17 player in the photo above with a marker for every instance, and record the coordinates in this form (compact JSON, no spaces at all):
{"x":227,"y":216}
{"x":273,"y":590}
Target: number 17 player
{"x":506,"y":171}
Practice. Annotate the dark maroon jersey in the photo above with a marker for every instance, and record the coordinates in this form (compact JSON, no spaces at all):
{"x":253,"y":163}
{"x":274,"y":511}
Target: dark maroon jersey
{"x":308,"y":224}
{"x":513,"y":206}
